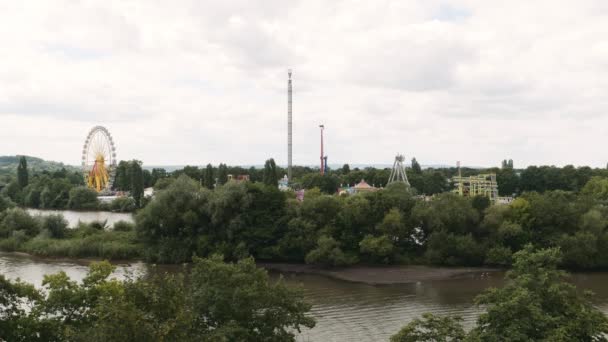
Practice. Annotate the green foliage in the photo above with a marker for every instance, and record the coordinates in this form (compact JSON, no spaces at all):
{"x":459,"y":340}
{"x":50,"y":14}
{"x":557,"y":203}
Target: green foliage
{"x":209,"y":179}
{"x":123,"y":226}
{"x":480,"y":203}
{"x":83,"y":198}
{"x":99,"y":244}
{"x":5,"y":203}
{"x":270,"y":173}
{"x":137,"y":182}
{"x":178,"y":215}
{"x":238,"y":302}
{"x":222,"y":174}
{"x":379,"y":249}
{"x":220,"y":302}
{"x":123,"y":204}
{"x":416,"y":166}
{"x":55,"y":225}
{"x":22,"y":173}
{"x":329,"y":253}
{"x":538,"y":304}
{"x":431,"y":328}
{"x":17,"y":219}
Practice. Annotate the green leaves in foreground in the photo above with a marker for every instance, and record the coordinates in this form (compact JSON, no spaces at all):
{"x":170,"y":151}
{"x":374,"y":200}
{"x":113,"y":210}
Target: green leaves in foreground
{"x":219,"y":302}
{"x":536,"y":304}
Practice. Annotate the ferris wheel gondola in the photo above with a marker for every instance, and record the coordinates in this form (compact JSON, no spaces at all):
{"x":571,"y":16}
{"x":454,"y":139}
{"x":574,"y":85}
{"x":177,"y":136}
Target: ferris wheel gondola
{"x":99,"y":159}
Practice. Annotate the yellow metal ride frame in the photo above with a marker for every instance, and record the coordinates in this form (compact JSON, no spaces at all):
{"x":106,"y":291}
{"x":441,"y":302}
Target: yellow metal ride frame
{"x":98,"y":176}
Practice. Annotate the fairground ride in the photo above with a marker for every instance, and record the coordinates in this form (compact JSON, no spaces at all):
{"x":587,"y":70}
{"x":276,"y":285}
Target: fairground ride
{"x":99,"y":159}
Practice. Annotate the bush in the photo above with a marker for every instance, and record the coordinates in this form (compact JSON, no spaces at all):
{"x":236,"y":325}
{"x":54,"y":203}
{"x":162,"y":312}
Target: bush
{"x":83,"y":198}
{"x":379,"y":249}
{"x":56,"y":225}
{"x":499,"y":256}
{"x":328,"y":253}
{"x":123,"y":226}
{"x":123,"y":204}
{"x":14,"y":242}
{"x":107,"y":245}
{"x":18,"y":219}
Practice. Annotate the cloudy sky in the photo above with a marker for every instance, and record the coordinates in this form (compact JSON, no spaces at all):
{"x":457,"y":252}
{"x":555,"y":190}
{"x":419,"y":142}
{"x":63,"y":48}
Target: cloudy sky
{"x":192,"y":82}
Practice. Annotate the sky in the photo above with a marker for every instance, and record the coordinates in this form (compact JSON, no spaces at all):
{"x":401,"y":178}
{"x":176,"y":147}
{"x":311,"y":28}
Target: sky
{"x":197,"y":82}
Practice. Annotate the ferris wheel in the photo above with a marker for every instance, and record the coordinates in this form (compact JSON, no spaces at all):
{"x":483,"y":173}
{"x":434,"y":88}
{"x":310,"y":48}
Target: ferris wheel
{"x":99,"y":159}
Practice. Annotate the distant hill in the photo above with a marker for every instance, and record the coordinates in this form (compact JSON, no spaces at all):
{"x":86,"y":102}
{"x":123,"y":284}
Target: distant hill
{"x":8,"y":165}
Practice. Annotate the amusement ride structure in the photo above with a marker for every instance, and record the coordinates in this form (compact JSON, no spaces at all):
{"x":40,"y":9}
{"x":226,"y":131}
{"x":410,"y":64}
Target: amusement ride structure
{"x":99,"y":159}
{"x":398,"y":173}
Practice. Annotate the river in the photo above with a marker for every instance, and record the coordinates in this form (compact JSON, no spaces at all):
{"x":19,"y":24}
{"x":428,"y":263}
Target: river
{"x":344,"y":311}
{"x":73,"y":217}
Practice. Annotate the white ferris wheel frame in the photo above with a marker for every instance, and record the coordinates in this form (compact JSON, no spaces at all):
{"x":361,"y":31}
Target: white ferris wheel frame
{"x":99,"y":136}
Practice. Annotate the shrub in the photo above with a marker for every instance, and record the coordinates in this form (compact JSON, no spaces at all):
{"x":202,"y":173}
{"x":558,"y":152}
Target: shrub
{"x":123,"y":204}
{"x":123,"y":226}
{"x":378,"y":248}
{"x":83,"y":198}
{"x":56,"y":225}
{"x":329,"y":253}
{"x":18,"y":219}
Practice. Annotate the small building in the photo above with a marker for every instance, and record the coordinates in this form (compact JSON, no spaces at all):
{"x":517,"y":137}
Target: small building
{"x":362,"y":186}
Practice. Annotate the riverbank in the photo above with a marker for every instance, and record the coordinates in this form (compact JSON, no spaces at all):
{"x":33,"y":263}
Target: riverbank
{"x":384,"y":275}
{"x":371,"y":275}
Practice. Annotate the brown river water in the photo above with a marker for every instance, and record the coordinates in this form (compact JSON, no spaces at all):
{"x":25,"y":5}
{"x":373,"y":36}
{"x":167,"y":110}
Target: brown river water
{"x":344,"y":311}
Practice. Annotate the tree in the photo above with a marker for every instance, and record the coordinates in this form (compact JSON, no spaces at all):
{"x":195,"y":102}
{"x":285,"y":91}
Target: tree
{"x":137,"y":182}
{"x":329,"y":253}
{"x":379,"y":249}
{"x":431,"y":328}
{"x":222,"y":174}
{"x":22,"y":173}
{"x":237,"y":302}
{"x":220,"y":302}
{"x":416,"y":167}
{"x":209,"y":180}
{"x":172,"y":222}
{"x":537,"y":304}
{"x":156,"y":174}
{"x":480,"y":203}
{"x":270,"y":173}
{"x":122,"y":179}
{"x":83,"y":198}
{"x":345,"y":169}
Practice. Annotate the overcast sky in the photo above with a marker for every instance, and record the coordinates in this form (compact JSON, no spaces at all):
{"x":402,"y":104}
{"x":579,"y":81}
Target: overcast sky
{"x":192,"y":82}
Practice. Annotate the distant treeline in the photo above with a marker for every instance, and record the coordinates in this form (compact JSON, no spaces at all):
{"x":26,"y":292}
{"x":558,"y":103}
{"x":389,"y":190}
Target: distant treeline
{"x":428,"y":181}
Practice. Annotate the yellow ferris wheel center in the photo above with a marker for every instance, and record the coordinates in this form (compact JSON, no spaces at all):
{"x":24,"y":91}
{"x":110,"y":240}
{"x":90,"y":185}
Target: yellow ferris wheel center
{"x":99,"y":159}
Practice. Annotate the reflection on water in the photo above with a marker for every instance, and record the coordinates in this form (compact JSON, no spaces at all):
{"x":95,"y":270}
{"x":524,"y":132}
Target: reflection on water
{"x":73,"y":217}
{"x":344,"y":311}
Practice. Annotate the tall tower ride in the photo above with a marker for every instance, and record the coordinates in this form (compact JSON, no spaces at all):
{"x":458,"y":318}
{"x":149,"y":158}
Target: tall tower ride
{"x":289,"y":124}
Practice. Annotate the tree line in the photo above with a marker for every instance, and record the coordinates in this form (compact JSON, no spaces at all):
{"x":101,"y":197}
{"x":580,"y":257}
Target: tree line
{"x":62,"y":189}
{"x":387,"y":226}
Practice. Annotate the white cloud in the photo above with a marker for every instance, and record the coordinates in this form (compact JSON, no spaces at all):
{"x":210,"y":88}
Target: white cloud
{"x":197,"y":82}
